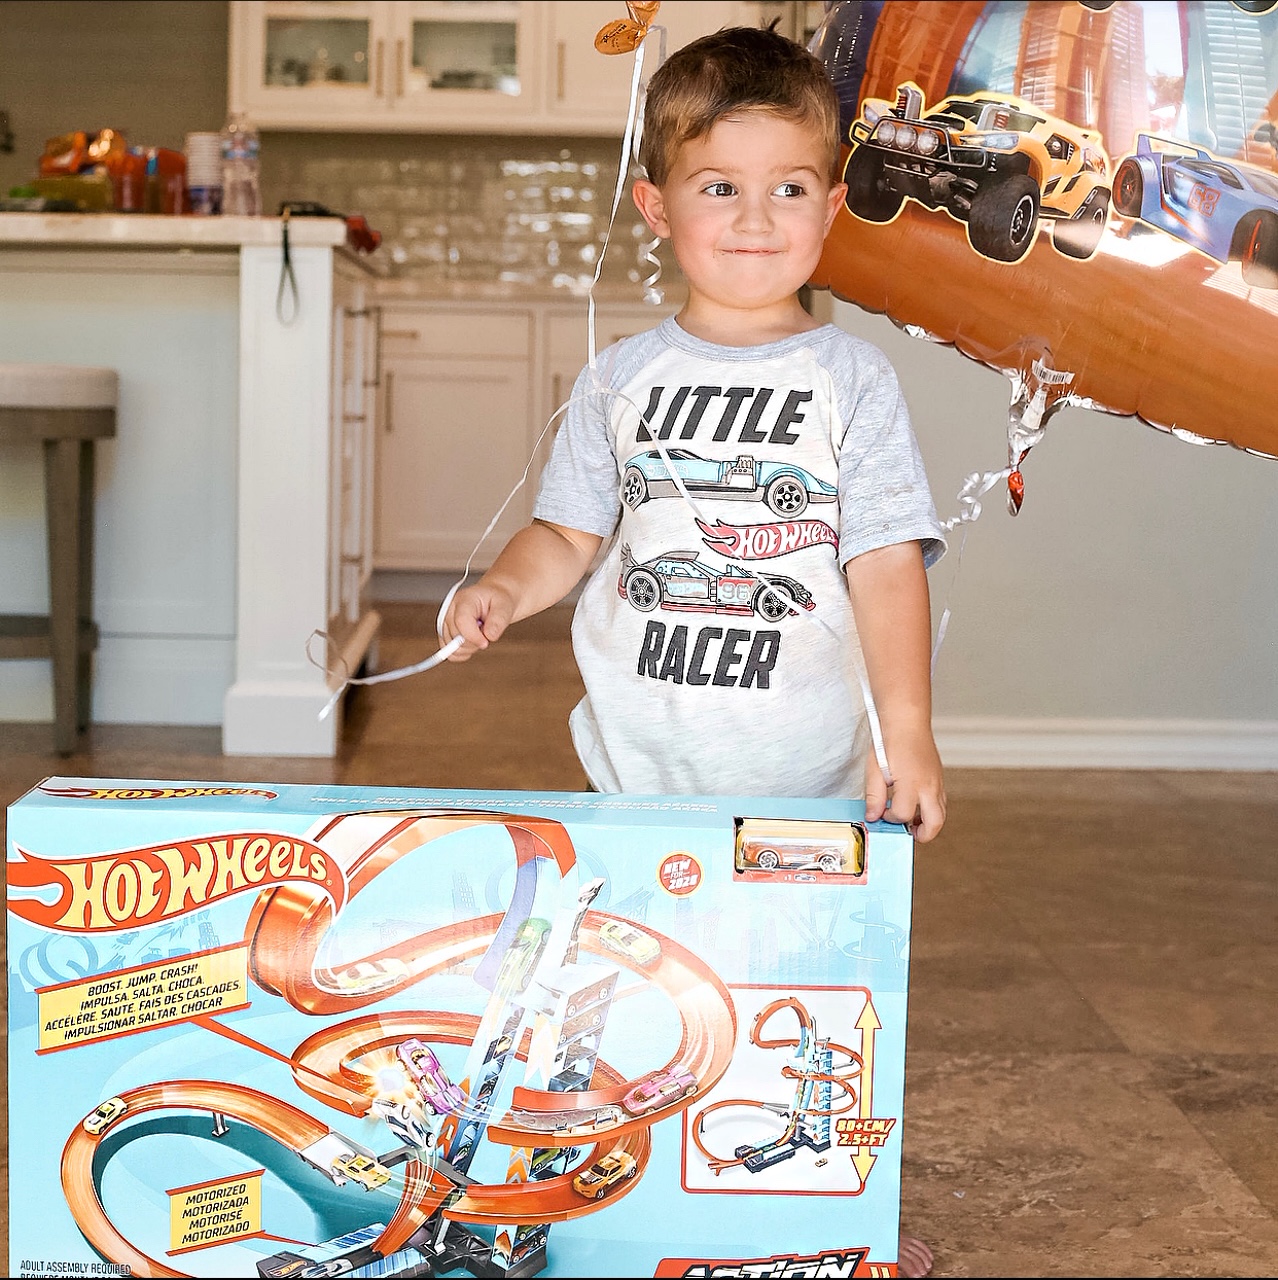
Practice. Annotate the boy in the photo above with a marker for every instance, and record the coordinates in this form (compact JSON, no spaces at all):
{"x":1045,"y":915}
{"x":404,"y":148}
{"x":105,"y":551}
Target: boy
{"x":718,"y":638}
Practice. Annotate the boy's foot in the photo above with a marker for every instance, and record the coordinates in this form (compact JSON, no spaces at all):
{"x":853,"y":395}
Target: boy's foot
{"x":914,"y":1258}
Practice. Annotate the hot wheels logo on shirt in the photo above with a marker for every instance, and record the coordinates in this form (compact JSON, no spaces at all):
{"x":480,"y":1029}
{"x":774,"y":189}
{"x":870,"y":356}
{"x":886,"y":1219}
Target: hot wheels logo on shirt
{"x":134,"y":887}
{"x":764,"y":541}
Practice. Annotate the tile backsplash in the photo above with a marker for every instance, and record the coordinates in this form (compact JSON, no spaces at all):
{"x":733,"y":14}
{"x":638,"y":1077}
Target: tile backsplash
{"x":520,"y":211}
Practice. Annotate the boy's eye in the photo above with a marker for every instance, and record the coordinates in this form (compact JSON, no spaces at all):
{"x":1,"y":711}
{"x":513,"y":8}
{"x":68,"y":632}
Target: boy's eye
{"x":791,"y":189}
{"x":720,"y":189}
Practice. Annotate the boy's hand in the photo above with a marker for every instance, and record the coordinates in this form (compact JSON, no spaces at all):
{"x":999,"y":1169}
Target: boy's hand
{"x":916,"y":796}
{"x":536,"y":569}
{"x":478,"y":614}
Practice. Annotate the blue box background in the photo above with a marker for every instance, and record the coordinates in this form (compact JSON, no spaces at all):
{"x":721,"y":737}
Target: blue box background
{"x":790,"y":936}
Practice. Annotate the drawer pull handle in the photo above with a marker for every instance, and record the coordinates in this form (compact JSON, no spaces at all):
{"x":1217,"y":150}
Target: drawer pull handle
{"x":390,"y":398}
{"x":413,"y":335}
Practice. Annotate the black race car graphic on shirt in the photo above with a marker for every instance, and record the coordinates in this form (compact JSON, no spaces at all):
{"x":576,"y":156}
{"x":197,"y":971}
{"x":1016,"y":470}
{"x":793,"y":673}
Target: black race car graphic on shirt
{"x":679,"y":580}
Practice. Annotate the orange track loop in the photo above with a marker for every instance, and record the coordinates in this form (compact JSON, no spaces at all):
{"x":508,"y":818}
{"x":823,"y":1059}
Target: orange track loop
{"x":718,"y":1163}
{"x":286,"y":1124}
{"x":764,"y":1016}
{"x":286,"y":924}
{"x":840,"y":1077}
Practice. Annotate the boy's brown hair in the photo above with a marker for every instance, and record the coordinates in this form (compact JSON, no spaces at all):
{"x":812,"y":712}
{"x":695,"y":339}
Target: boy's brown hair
{"x":736,"y":69}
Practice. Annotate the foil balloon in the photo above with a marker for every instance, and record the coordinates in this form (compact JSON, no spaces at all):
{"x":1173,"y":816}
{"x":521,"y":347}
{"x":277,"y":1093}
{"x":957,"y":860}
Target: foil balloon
{"x":624,"y":35}
{"x":1082,"y":194}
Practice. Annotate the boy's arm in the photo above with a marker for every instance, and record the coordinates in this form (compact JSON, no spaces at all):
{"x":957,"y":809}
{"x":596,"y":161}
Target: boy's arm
{"x":538,"y":567}
{"x":888,"y":588}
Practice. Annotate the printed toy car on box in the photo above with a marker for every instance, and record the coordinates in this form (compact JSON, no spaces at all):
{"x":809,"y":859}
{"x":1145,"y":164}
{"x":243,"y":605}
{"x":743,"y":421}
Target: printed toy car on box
{"x":300,"y":1031}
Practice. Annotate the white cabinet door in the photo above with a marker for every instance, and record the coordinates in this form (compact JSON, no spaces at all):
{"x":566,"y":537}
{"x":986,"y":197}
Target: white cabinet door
{"x":465,"y":66}
{"x":589,"y":91}
{"x":453,"y":435}
{"x":460,"y":66}
{"x":457,"y":66}
{"x":300,"y":64}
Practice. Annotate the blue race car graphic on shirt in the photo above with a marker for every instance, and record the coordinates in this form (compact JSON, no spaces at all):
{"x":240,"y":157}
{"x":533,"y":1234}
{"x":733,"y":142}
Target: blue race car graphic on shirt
{"x":1226,"y":209}
{"x":785,"y":488}
{"x":678,"y":580}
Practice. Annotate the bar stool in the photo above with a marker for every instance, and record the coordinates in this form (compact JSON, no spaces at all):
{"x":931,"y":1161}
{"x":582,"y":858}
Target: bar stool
{"x":65,"y":408}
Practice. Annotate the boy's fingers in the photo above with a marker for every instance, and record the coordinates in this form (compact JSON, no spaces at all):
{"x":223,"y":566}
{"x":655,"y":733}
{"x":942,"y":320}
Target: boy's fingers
{"x":931,"y":819}
{"x":903,"y":808}
{"x":876,"y":792}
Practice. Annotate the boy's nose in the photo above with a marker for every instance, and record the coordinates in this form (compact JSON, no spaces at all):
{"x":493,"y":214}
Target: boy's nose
{"x":754,"y":213}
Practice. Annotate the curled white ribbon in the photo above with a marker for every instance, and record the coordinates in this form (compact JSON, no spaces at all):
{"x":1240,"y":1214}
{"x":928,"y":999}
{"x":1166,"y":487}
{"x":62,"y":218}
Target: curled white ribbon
{"x":974,"y":487}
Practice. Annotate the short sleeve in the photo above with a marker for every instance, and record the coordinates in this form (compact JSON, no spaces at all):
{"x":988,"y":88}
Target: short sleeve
{"x":579,"y":484}
{"x":883,"y":489}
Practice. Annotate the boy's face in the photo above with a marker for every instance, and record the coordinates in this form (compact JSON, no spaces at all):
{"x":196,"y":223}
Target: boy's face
{"x":746,"y":209}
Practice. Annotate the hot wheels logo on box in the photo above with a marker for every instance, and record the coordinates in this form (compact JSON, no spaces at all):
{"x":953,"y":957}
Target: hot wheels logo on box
{"x":153,"y":793}
{"x":834,"y":1264}
{"x":136,"y":887}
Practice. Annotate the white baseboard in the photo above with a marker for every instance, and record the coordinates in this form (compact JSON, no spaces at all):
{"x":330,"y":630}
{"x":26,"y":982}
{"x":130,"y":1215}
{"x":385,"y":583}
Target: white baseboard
{"x":997,"y":742}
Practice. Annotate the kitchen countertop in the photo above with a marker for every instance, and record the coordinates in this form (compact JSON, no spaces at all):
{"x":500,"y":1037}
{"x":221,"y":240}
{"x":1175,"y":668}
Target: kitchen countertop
{"x":153,"y":231}
{"x":425,"y":289}
{"x":149,"y":231}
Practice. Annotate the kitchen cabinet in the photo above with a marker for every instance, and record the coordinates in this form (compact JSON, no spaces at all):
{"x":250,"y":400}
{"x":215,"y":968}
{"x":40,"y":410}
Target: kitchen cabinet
{"x":384,"y":64}
{"x":589,"y":92}
{"x":453,"y":434}
{"x":456,"y":66}
{"x":466,"y":393}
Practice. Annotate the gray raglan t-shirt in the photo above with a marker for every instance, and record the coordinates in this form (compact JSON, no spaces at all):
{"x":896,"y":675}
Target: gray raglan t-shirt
{"x":715,"y":638}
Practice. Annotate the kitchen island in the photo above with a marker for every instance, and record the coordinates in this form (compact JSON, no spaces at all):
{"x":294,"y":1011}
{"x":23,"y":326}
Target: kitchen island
{"x":233,"y":507}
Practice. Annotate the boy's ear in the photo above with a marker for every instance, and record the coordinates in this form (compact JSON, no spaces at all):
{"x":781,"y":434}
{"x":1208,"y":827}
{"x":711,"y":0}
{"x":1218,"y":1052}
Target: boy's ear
{"x":832,"y":202}
{"x":652,"y":205}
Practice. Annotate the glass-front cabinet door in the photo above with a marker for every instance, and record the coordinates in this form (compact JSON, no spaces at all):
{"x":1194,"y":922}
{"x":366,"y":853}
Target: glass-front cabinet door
{"x":468,"y":65}
{"x":310,"y":64}
{"x":465,"y":60}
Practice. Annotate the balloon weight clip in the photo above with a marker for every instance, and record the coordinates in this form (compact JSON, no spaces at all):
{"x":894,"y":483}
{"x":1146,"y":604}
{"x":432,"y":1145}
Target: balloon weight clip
{"x":1015,"y":492}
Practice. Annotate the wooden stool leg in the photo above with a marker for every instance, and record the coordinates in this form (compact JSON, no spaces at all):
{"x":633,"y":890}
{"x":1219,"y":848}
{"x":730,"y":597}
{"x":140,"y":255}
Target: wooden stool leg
{"x":84,"y":619}
{"x":62,"y":482}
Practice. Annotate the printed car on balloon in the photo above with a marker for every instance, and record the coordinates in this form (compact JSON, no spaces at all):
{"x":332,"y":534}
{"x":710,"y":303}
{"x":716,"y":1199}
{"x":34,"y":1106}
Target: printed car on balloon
{"x":994,"y":162}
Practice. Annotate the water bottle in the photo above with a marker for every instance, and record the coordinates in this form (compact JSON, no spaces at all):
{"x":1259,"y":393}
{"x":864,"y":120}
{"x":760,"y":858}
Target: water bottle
{"x":240,"y":167}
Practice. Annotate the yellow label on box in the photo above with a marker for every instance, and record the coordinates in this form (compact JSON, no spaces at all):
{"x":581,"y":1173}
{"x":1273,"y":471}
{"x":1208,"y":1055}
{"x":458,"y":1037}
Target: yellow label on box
{"x":150,"y":995}
{"x":211,"y":1213}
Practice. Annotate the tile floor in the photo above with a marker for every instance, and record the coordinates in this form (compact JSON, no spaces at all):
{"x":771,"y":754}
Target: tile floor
{"x":1092,"y":1073}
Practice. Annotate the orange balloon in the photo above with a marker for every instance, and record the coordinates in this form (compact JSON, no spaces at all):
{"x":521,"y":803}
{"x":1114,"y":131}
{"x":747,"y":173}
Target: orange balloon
{"x":626,"y":34}
{"x":1068,"y":191}
{"x":621,"y":36}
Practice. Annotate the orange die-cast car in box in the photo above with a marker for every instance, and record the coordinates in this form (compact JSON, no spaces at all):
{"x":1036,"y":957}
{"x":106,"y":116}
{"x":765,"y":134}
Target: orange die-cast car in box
{"x":806,"y":848}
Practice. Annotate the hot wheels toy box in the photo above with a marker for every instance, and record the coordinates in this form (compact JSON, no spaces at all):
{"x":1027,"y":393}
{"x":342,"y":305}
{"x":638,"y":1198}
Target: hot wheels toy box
{"x":309,"y":1031}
